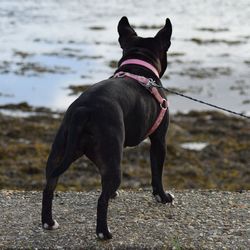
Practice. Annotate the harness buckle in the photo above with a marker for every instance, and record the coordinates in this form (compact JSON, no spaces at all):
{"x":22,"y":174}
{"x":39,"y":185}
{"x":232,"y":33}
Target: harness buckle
{"x":150,"y":83}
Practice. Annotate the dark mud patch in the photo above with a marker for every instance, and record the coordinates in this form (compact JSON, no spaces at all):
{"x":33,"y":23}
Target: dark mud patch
{"x":241,"y":86}
{"x":5,"y":67}
{"x":223,"y":163}
{"x":247,"y":62}
{"x":97,"y":28}
{"x":25,"y":107}
{"x":246,"y":101}
{"x":225,"y":55}
{"x":36,"y":69}
{"x":202,"y":72}
{"x":52,"y":41}
{"x":190,"y":89}
{"x":23,"y":54}
{"x":200,"y":41}
{"x":71,"y":53}
{"x":6,"y":95}
{"x":147,"y":27}
{"x":213,"y":30}
{"x":176,"y":54}
{"x":25,"y":68}
{"x":113,"y":64}
{"x":77,"y":89}
{"x":177,"y":90}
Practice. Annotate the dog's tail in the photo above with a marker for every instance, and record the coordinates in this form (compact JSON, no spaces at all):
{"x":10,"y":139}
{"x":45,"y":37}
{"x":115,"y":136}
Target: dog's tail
{"x":76,"y":127}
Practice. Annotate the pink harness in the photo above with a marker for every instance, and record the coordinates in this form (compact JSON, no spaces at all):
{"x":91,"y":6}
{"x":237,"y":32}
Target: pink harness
{"x":147,"y":83}
{"x":141,"y":63}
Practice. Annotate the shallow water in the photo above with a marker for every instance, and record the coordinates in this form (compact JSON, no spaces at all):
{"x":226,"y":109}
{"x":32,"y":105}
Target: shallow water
{"x":48,"y":45}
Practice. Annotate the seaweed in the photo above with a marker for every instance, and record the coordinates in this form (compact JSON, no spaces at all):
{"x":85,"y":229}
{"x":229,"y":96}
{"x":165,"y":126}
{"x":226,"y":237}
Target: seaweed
{"x":113,"y":64}
{"x":213,"y":30}
{"x":147,"y":27}
{"x":97,"y":28}
{"x":202,"y":72}
{"x":31,"y":68}
{"x":222,"y":164}
{"x":200,"y":41}
{"x":23,"y":54}
{"x":76,"y":89}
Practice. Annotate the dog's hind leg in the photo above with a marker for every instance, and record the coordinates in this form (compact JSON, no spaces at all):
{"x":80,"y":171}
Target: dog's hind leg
{"x":67,"y":147}
{"x":55,"y":158}
{"x":107,"y":156}
{"x":110,"y":182}
{"x":48,"y":193}
{"x":75,"y":140}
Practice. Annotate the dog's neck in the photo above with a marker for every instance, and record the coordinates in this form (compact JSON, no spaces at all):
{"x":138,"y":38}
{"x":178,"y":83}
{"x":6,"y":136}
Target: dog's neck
{"x":141,"y":63}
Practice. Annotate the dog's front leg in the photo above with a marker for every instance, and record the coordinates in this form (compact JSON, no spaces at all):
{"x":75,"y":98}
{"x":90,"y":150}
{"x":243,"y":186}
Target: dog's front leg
{"x":157,"y":157}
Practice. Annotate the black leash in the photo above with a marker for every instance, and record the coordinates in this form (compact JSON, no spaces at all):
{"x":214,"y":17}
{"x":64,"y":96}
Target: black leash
{"x":200,"y":101}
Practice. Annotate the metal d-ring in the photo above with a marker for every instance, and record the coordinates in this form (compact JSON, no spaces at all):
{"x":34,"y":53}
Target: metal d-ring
{"x":164,"y":104}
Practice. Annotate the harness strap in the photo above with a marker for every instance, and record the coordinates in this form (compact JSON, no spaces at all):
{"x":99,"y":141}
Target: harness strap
{"x":147,"y":83}
{"x":163,"y":104}
{"x":141,"y":63}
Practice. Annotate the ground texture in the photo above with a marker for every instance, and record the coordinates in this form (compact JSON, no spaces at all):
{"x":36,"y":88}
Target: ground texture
{"x":199,"y":219}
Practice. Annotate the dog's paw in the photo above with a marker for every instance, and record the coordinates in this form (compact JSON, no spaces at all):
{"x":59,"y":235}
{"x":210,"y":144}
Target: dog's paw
{"x":54,"y":226}
{"x":105,"y":235}
{"x":164,"y":198}
{"x":115,"y":195}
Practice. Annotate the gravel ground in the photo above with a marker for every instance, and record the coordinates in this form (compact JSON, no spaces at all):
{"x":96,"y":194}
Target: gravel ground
{"x":199,"y":219}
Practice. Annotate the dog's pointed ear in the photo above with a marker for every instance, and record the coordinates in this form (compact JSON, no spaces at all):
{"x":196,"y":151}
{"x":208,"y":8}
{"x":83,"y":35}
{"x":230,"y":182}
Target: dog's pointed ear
{"x":164,"y":35}
{"x":125,"y":31}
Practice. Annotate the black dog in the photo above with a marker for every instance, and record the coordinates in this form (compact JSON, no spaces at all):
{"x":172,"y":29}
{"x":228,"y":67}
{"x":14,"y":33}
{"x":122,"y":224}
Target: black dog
{"x":113,"y":114}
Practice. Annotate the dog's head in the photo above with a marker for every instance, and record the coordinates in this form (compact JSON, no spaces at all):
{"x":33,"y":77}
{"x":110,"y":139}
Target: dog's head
{"x":152,"y":49}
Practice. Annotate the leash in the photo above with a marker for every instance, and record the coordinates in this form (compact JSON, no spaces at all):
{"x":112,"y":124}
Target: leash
{"x":200,"y":101}
{"x":151,"y":83}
